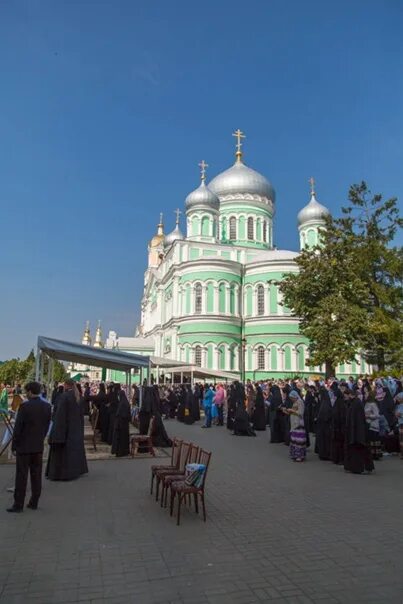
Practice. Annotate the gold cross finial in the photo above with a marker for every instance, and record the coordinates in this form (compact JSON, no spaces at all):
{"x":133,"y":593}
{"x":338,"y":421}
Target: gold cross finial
{"x":312,"y":183}
{"x":239,"y":135}
{"x":161,"y":217}
{"x":178,"y":213}
{"x":203,"y":167}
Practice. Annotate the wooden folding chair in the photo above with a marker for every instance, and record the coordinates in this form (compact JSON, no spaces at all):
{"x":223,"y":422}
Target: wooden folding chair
{"x":143,"y":440}
{"x":175,"y":458}
{"x":181,"y":489}
{"x":167,"y":480}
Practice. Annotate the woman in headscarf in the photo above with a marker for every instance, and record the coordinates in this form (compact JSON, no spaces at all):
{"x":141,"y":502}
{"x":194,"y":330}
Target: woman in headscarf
{"x":297,"y":428}
{"x":276,"y":415}
{"x":121,"y":436}
{"x":259,"y":414}
{"x":357,"y":457}
{"x":372,"y":417}
{"x":324,"y":425}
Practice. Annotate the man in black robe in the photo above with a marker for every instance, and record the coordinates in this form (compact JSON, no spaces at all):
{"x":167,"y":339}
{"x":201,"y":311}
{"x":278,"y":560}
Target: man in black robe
{"x":113,"y":403}
{"x":189,"y":406}
{"x":242,"y":426}
{"x":67,"y":459}
{"x":276,"y":415}
{"x":121,"y":436}
{"x":338,"y":425}
{"x":100,"y":401}
{"x":259,"y":414}
{"x":357,"y":458}
{"x":324,"y":426}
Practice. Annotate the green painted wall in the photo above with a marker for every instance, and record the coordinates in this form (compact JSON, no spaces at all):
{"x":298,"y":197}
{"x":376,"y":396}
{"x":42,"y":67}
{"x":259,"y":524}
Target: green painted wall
{"x":205,"y":226}
{"x":195,"y":226}
{"x":273,"y":300}
{"x":242,"y":231}
{"x":259,"y":229}
{"x":232,"y":300}
{"x":187,"y":300}
{"x":300,"y":359}
{"x":249,"y":301}
{"x":210,"y":352}
{"x":287,"y":358}
{"x":194,"y":253}
{"x":273,"y":357}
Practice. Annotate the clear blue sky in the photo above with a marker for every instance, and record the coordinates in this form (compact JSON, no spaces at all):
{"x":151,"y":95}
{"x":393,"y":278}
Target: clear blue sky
{"x":106,"y":108}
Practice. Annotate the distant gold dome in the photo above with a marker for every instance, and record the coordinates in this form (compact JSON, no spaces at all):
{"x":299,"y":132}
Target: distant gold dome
{"x":157,"y":241}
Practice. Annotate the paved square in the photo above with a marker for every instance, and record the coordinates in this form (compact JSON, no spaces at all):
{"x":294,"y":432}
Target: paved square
{"x":276,"y":532}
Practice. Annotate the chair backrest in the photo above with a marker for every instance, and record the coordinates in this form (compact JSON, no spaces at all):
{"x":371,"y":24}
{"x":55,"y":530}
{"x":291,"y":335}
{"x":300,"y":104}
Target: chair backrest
{"x":193,"y":454}
{"x":204,"y":458}
{"x":176,"y":451}
{"x":184,"y":456}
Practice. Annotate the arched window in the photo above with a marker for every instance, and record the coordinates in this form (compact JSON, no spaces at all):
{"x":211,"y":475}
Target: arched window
{"x":251,"y":234}
{"x":260,"y":300}
{"x":198,"y":298}
{"x":264,"y":231}
{"x":232,"y":228}
{"x":261,"y":365}
{"x":198,"y":356}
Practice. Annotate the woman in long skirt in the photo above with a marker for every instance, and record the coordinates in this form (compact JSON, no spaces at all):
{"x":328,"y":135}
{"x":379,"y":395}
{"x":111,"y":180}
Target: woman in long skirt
{"x":297,"y":428}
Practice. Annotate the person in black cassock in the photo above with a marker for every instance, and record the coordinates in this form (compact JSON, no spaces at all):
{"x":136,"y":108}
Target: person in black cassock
{"x":276,"y":415}
{"x":181,"y":397}
{"x":339,"y":413}
{"x":172,"y":403}
{"x":31,"y":427}
{"x":189,"y":417}
{"x":198,"y":397}
{"x":324,"y":426}
{"x":159,"y":435}
{"x":357,"y":455}
{"x":113,"y":403}
{"x":121,"y":436}
{"x":311,"y":409}
{"x":242,"y":426}
{"x":231,"y":410}
{"x":259,"y":414}
{"x":99,"y":401}
{"x":67,"y":459}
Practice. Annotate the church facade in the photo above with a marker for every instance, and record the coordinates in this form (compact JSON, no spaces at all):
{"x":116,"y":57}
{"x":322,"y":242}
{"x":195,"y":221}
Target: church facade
{"x":211,"y":296}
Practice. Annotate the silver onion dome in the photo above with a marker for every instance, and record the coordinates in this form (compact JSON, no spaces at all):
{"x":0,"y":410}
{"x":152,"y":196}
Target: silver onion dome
{"x":175,"y":235}
{"x":312,"y":211}
{"x":202,"y":197}
{"x":239,"y":179}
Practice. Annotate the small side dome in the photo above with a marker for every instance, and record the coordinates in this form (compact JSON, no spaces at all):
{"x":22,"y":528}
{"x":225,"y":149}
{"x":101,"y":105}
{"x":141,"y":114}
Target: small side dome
{"x":175,"y":235}
{"x":313,"y":211}
{"x":202,"y":197}
{"x":158,"y":239}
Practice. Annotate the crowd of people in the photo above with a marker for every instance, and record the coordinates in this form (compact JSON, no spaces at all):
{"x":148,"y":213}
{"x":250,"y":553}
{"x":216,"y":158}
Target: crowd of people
{"x":354,"y":422}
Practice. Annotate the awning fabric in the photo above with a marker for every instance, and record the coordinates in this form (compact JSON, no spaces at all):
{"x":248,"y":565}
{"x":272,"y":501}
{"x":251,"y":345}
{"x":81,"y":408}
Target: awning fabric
{"x":198,"y":372}
{"x":88,"y":355}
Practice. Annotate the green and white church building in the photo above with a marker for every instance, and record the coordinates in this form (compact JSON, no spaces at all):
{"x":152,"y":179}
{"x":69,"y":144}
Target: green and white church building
{"x":211,"y":296}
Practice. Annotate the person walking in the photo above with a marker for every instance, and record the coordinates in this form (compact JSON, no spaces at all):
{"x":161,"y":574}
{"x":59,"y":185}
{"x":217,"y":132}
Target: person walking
{"x":31,"y":427}
{"x":207,"y":404}
{"x":219,"y":401}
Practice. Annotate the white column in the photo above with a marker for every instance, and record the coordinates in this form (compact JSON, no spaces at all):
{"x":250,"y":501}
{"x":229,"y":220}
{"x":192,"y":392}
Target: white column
{"x":204,"y":298}
{"x":266,"y":299}
{"x":175,"y":297}
{"x":236,"y":359}
{"x":216,"y":358}
{"x":227,"y":295}
{"x":204,"y":357}
{"x":192,"y":299}
{"x":216,"y":299}
{"x":280,"y":359}
{"x":236,"y":300}
{"x":227,"y":358}
{"x":267,"y":358}
{"x":294,"y":363}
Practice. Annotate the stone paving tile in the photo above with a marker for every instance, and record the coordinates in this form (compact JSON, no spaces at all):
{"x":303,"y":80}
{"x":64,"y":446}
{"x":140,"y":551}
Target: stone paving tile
{"x":277,"y":532}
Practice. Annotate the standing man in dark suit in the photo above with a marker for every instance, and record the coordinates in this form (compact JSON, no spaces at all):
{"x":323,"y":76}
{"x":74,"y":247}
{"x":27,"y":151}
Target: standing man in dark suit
{"x":31,"y":427}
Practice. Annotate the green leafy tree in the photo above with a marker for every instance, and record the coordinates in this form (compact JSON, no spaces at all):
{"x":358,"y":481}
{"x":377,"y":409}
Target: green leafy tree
{"x":348,"y":291}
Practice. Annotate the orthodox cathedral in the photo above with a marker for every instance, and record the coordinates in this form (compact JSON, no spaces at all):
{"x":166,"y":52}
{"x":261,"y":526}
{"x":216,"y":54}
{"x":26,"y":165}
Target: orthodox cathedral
{"x":211,"y":296}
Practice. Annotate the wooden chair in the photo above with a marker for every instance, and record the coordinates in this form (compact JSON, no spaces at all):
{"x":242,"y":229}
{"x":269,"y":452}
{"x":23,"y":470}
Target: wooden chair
{"x":175,"y":457}
{"x":183,"y":460}
{"x":180,"y":489}
{"x":168,"y":479}
{"x":144,"y":440}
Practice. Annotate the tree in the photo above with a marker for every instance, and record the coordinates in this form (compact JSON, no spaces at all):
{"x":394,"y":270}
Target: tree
{"x":348,"y":291}
{"x":21,"y":371}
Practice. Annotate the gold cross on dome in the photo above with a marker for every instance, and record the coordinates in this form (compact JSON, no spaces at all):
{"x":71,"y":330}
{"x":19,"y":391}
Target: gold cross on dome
{"x":203,"y":166}
{"x":178,"y":213}
{"x":239,"y":135}
{"x":312,"y":183}
{"x":161,"y":217}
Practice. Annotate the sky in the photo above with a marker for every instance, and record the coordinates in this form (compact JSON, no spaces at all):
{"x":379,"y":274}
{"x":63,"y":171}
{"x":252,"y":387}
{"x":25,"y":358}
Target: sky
{"x":107,"y":107}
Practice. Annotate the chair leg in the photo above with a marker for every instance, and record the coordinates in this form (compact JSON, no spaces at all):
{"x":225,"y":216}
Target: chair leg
{"x":203,"y":505}
{"x":167,"y":486}
{"x":163,"y":493}
{"x":157,"y":488}
{"x":152,"y":483}
{"x":196,"y":500}
{"x":179,"y":509}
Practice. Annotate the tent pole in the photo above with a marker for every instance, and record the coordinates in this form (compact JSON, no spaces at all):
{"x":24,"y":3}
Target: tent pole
{"x":158,"y":374}
{"x":149,"y":373}
{"x":181,"y":377}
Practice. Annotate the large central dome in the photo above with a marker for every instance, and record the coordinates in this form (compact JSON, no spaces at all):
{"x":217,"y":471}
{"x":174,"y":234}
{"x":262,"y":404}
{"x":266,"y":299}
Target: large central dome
{"x":239,"y":179}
